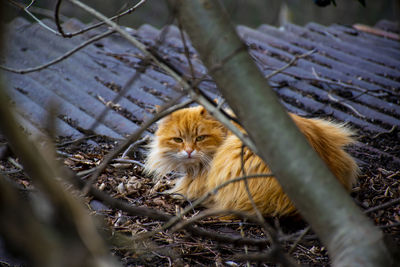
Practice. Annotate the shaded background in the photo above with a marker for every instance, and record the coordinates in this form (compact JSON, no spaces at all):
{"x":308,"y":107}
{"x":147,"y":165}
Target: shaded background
{"x":250,"y":12}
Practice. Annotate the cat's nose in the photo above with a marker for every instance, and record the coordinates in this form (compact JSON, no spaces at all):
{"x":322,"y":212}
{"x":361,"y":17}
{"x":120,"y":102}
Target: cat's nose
{"x":189,"y":152}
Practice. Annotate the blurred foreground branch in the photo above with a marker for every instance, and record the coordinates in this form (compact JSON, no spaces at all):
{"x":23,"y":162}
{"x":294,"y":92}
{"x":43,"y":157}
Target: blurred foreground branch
{"x":45,"y":238}
{"x":302,"y":174}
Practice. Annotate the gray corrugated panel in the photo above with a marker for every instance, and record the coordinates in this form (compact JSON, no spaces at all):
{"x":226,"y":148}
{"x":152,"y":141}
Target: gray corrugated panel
{"x":322,"y":58}
{"x":335,"y":54}
{"x":312,"y":106}
{"x":324,"y":96}
{"x":27,"y":125}
{"x":304,"y":65}
{"x":339,"y":114}
{"x":173,"y":45}
{"x":330,"y":41}
{"x":294,"y":109}
{"x":355,"y":44}
{"x":389,"y":26}
{"x":149,"y":81}
{"x":45,"y":97}
{"x":172,"y":50}
{"x":90,"y":104}
{"x":148,"y":33}
{"x":173,"y":34}
{"x":101,"y":69}
{"x":37,"y":115}
{"x":72,"y":79}
{"x":105,"y":69}
{"x":172,"y":37}
{"x":353,"y":35}
{"x":302,"y":71}
{"x":285,"y":50}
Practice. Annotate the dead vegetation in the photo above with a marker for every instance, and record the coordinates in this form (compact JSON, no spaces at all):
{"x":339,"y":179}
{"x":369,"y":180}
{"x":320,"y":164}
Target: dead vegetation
{"x":126,"y":182}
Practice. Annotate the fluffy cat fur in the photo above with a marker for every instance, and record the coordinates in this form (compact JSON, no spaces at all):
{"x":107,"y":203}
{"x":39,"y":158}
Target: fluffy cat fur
{"x":194,"y":144}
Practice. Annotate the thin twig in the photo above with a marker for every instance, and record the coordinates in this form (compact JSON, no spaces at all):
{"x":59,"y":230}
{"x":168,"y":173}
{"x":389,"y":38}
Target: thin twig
{"x":272,"y":255}
{"x":331,"y":82}
{"x":198,"y":202}
{"x":186,"y":49}
{"x":76,"y":140}
{"x":209,"y":213}
{"x":141,"y":69}
{"x":60,"y":58}
{"x":269,"y":231}
{"x":25,"y":9}
{"x":291,"y":63}
{"x":338,"y":83}
{"x":201,"y":98}
{"x":182,"y":82}
{"x":168,"y":108}
{"x":15,"y":163}
{"x":396,"y":224}
{"x":69,"y":35}
{"x":158,"y":215}
{"x":383,"y":206}
{"x":99,"y":118}
{"x":128,"y":161}
{"x":245,"y":246}
{"x":330,"y":96}
{"x":394,"y":127}
{"x":134,"y":145}
{"x":165,"y":111}
{"x":225,"y":120}
{"x":297,"y":241}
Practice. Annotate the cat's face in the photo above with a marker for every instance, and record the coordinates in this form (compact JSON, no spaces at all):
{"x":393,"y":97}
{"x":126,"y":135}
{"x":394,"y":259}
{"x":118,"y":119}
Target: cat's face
{"x":186,"y":140}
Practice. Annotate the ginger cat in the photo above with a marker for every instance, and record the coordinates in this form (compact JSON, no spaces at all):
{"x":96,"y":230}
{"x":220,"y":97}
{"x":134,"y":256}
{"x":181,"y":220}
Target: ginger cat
{"x":193,"y":143}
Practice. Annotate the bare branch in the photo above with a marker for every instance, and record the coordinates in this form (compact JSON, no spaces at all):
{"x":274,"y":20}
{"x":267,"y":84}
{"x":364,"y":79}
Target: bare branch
{"x":128,"y":161}
{"x":334,"y":99}
{"x":383,"y":206}
{"x":327,"y":81}
{"x":297,"y":241}
{"x":60,"y":58}
{"x":339,"y":83}
{"x":268,"y":230}
{"x":157,"y":215}
{"x":291,"y":63}
{"x":219,"y":115}
{"x":134,"y":145}
{"x":69,"y":35}
{"x":182,"y":82}
{"x":186,"y":49}
{"x":39,"y":163}
{"x":18,"y":5}
{"x":198,"y":202}
{"x":210,"y":213}
{"x":168,"y":108}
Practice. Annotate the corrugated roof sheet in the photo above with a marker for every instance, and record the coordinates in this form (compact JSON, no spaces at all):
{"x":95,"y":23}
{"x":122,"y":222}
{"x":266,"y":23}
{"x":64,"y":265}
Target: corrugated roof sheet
{"x":363,"y":73}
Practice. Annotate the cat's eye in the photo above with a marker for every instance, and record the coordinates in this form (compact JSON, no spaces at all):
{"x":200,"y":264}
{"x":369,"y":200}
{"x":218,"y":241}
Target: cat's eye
{"x":200,"y":138}
{"x":178,"y":139}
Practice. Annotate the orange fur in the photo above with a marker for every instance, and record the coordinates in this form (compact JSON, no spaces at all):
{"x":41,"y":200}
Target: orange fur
{"x":215,"y":158}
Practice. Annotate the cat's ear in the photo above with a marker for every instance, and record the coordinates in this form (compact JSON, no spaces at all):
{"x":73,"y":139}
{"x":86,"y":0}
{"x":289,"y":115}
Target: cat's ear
{"x":203,"y":111}
{"x":162,"y":120}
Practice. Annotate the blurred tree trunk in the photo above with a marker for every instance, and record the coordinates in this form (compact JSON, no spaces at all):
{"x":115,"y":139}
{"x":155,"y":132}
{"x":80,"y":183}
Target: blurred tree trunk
{"x":350,"y":237}
{"x":55,"y":230}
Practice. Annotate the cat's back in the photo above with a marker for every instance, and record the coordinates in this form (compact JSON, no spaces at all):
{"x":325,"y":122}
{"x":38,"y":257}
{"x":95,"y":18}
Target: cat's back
{"x":327,"y":139}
